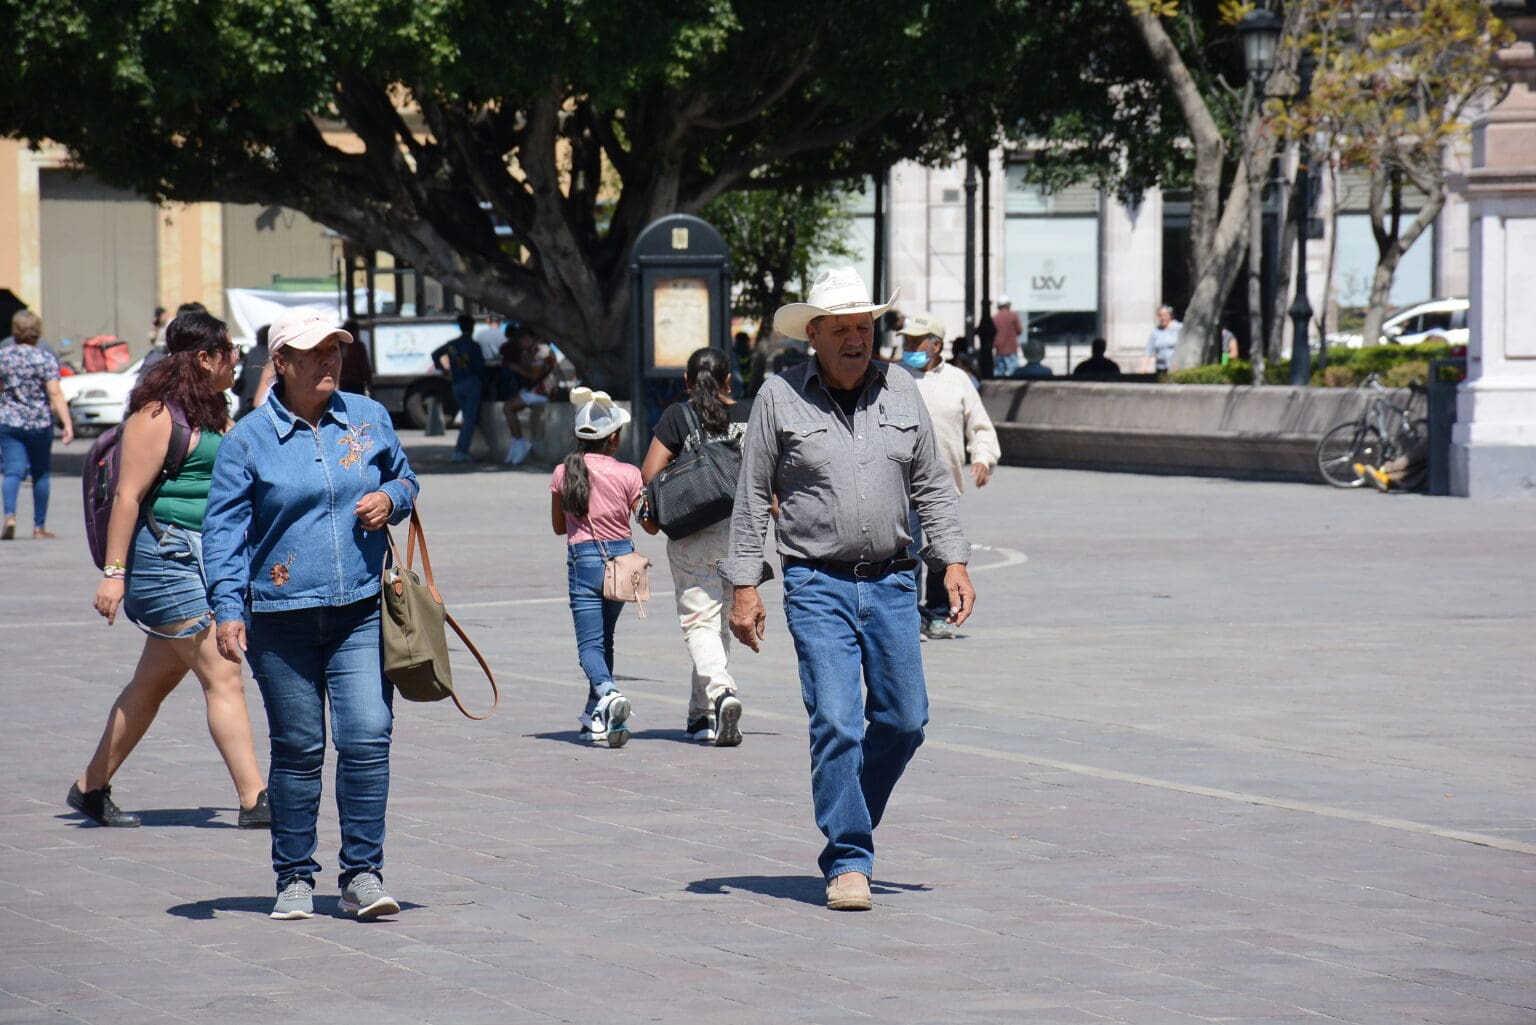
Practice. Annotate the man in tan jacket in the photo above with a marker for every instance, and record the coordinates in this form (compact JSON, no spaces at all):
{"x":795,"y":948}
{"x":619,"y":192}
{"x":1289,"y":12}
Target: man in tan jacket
{"x":962,"y":431}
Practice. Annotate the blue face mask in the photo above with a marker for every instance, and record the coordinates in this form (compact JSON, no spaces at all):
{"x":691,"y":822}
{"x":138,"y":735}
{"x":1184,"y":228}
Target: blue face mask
{"x":917,"y":360}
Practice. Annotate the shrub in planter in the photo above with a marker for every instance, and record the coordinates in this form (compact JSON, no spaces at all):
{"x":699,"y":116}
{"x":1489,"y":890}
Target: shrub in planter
{"x":1401,"y":375}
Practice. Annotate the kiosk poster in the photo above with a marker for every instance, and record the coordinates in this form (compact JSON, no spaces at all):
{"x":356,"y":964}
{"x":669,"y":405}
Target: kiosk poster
{"x":679,"y":320}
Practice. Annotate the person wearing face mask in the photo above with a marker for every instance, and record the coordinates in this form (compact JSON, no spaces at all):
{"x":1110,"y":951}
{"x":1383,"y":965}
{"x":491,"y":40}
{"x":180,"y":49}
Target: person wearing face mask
{"x":963,"y":433}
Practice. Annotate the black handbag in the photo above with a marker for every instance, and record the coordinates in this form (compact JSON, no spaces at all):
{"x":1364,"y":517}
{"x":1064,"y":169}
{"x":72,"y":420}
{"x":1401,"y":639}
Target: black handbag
{"x":698,"y":488}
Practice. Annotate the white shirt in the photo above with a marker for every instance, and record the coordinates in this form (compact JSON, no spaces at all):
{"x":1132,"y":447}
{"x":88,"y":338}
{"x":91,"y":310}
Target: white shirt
{"x":960,"y":422}
{"x":1162,"y":342}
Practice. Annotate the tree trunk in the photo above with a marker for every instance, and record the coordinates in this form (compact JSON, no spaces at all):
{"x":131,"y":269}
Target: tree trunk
{"x":1217,"y":235}
{"x":1391,"y":246}
{"x":1285,"y":251}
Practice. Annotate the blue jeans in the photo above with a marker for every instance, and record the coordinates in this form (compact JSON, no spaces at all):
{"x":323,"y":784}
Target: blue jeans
{"x":860,"y":743}
{"x":466,"y":392}
{"x":24,"y":450}
{"x":303,"y":659}
{"x":594,"y":617}
{"x":1002,"y":366}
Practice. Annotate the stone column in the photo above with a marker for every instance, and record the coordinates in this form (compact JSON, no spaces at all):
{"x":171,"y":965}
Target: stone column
{"x":1493,"y":449}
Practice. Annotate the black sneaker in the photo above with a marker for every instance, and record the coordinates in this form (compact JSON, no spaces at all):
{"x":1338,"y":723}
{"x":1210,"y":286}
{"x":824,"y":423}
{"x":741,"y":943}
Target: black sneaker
{"x":97,"y":806}
{"x":701,"y":730}
{"x":727,"y":721}
{"x":258,"y":815}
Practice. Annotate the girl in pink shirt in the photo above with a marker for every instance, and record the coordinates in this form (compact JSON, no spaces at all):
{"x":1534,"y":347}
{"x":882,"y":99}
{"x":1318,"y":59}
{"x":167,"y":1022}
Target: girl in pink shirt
{"x":592,"y":496}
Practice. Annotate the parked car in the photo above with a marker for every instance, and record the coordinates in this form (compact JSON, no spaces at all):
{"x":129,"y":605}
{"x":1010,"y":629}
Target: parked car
{"x":97,"y":401}
{"x":1436,"y":318}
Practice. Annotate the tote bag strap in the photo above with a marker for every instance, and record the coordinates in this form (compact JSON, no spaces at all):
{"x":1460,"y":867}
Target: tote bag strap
{"x":418,"y":536}
{"x":495,"y":693}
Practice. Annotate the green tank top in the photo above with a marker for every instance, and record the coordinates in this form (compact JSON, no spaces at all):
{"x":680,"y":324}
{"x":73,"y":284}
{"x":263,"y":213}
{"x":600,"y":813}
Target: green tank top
{"x":183,"y":499}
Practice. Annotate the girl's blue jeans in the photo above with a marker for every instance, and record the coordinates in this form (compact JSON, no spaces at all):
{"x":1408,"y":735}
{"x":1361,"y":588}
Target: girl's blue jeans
{"x":595,"y":618}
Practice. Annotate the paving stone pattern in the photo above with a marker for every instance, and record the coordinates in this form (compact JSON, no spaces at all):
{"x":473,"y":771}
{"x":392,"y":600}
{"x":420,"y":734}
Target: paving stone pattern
{"x":1208,"y":752}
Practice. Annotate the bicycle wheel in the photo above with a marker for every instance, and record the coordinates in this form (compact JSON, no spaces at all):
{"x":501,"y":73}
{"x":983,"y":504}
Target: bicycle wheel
{"x":1343,"y":447}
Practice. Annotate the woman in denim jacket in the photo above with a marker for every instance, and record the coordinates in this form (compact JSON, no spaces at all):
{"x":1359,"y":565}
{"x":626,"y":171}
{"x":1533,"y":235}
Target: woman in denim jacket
{"x":294,"y":542}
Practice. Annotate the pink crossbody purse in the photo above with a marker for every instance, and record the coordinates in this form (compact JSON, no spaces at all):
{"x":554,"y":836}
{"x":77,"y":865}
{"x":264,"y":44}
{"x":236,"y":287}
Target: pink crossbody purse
{"x":626,"y":578}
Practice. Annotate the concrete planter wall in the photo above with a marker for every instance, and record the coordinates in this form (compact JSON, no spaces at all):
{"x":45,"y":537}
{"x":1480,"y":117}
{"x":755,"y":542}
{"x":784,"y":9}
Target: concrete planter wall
{"x":1266,"y":433}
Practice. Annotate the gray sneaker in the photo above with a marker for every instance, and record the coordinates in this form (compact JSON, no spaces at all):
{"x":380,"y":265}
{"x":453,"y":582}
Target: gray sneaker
{"x":296,"y":901}
{"x":365,"y":895}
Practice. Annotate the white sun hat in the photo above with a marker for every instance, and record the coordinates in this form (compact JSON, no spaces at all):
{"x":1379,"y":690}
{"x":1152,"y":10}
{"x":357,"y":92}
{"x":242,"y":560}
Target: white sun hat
{"x":596,"y":415}
{"x":836,"y":292}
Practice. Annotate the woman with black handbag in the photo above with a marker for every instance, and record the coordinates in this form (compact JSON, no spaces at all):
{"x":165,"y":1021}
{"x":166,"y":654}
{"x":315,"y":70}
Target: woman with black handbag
{"x":709,"y":416}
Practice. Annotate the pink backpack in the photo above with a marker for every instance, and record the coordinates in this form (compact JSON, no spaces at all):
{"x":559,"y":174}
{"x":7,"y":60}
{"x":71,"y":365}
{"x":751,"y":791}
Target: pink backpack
{"x":104,"y":462}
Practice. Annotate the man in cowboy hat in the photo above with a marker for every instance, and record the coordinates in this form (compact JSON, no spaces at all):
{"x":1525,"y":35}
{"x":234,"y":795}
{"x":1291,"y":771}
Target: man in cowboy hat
{"x":847,"y":447}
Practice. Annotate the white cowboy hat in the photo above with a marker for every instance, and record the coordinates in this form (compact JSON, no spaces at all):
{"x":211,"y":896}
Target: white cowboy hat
{"x":836,"y":292}
{"x":596,"y":415}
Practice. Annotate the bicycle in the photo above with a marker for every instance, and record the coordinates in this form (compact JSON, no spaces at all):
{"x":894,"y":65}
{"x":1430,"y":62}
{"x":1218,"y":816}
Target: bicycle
{"x":1383,"y":432}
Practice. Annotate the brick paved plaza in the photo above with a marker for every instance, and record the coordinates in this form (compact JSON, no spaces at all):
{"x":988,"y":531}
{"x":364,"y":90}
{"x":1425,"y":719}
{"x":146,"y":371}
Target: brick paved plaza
{"x":1208,"y":751}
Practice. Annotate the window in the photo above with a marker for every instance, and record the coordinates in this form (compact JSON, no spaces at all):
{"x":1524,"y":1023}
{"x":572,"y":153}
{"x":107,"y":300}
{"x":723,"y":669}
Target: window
{"x":1051,"y":259}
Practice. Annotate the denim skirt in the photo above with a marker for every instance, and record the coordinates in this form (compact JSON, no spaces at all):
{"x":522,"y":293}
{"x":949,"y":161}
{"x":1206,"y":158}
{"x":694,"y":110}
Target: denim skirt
{"x":166,"y":583}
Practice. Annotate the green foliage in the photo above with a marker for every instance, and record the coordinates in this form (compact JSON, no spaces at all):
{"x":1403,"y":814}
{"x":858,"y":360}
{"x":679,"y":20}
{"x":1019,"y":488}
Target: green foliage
{"x":1346,"y":368}
{"x":778,"y":238}
{"x":1235,"y":372}
{"x":421,"y":128}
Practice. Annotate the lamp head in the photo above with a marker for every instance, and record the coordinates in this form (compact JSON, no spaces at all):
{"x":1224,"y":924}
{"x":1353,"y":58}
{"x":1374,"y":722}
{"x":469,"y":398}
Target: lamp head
{"x":1260,"y":33}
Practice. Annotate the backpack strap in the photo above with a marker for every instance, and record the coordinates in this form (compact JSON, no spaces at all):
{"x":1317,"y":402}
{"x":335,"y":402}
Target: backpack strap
{"x":176,"y":453}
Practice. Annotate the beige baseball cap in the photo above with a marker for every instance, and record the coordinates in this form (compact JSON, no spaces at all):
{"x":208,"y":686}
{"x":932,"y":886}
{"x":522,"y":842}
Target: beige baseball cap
{"x":920,"y":325}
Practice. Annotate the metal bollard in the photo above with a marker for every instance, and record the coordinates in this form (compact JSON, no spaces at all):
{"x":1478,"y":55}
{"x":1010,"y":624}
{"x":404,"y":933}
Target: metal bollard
{"x":435,"y":427}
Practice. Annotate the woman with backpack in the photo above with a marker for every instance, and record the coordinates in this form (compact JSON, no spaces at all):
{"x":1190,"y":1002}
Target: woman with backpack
{"x":592,"y":496}
{"x":154,"y":572}
{"x":703,"y":599}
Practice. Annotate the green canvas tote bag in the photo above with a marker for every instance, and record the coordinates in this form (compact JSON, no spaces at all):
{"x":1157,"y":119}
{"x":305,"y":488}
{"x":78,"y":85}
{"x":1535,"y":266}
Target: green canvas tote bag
{"x":413,"y":628}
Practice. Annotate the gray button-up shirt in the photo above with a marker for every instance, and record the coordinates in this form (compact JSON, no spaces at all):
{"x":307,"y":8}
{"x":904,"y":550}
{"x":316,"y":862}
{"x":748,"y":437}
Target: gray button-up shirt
{"x":844,"y":486}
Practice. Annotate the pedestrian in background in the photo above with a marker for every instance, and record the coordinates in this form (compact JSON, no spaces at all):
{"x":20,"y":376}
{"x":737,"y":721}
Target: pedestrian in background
{"x":592,"y":496}
{"x":29,"y":400}
{"x":703,"y":603}
{"x":356,"y":367}
{"x":1005,"y":342}
{"x":463,"y":359}
{"x":294,"y":544}
{"x":154,"y":570}
{"x":848,"y":448}
{"x":1163,"y":340}
{"x":253,"y":370}
{"x":966,"y":442}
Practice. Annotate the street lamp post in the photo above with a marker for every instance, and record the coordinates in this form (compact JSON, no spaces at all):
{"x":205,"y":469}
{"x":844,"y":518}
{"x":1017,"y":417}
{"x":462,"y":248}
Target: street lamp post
{"x":1301,"y":309}
{"x":1260,"y":32}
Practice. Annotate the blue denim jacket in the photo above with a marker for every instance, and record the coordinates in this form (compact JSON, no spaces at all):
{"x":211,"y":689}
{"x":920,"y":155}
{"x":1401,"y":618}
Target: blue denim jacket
{"x":281,"y":532}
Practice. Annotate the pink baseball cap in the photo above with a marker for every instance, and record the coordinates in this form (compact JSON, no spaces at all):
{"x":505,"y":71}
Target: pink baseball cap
{"x":303,"y":327}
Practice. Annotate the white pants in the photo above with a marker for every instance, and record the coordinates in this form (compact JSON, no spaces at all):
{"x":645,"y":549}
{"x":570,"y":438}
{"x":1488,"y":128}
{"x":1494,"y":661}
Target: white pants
{"x":704,"y":610}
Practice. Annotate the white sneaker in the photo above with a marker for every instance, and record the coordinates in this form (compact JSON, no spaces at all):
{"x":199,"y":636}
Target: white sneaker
{"x":517,"y":450}
{"x":611,"y":718}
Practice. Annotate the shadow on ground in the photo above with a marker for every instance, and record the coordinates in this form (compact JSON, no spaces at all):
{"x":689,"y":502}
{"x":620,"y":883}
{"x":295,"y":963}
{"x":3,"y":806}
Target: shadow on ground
{"x":198,"y":818}
{"x":205,"y":910}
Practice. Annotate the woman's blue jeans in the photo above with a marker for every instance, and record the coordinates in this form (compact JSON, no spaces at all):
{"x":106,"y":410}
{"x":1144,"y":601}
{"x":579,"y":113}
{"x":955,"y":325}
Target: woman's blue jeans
{"x":303,"y":660}
{"x":861,"y":676}
{"x":466,"y":393}
{"x":25,"y":450}
{"x":594,"y":617}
